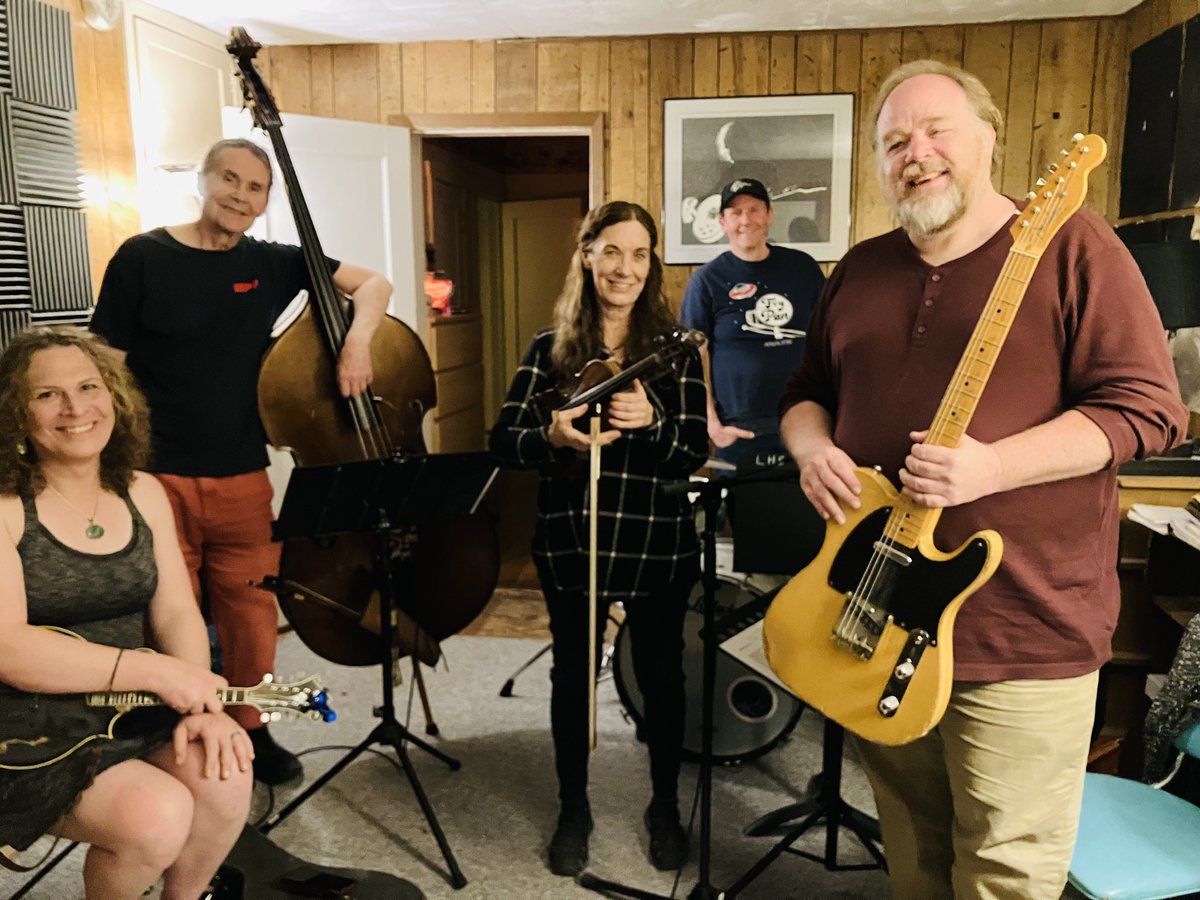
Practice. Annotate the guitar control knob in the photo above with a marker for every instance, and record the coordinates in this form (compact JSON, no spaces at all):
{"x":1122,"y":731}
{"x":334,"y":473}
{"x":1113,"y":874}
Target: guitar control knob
{"x":905,"y":670}
{"x":888,"y":705}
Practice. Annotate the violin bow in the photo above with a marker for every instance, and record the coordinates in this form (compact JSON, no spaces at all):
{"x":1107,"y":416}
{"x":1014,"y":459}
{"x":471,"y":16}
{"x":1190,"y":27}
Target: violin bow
{"x":593,"y":540}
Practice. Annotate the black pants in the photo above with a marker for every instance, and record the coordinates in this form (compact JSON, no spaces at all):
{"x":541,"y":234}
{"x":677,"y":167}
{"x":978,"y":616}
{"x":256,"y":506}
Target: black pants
{"x":656,"y":639}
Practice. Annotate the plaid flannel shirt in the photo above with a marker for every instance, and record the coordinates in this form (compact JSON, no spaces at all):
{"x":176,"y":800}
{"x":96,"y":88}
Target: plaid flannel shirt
{"x":646,"y":539}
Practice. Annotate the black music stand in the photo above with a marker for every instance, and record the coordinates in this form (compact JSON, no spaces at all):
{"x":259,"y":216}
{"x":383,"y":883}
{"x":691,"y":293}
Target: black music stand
{"x":378,"y":496}
{"x":709,"y":500}
{"x":760,"y":545}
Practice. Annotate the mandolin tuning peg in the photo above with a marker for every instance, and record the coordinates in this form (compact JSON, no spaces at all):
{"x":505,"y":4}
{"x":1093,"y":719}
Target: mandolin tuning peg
{"x":264,"y":718}
{"x":268,"y":678}
{"x":275,"y":716}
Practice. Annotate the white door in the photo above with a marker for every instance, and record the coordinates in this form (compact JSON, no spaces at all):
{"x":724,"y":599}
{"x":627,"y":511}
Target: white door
{"x":358,"y":183}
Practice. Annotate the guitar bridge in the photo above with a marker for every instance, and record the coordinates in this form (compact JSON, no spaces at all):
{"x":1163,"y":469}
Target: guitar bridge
{"x":859,"y":627}
{"x":906,"y":667}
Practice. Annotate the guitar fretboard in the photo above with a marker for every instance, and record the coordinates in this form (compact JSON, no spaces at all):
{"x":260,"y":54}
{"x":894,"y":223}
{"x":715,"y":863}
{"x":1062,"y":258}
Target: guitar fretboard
{"x":230,"y":696}
{"x":1036,"y":225}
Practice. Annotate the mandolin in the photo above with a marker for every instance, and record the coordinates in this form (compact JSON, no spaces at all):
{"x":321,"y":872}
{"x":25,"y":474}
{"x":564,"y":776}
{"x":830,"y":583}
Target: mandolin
{"x":38,"y":730}
{"x":864,"y":633}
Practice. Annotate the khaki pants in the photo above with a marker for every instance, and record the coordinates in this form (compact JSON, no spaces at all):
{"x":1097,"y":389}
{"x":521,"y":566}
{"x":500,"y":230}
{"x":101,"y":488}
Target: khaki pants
{"x":224,"y":529}
{"x":987,"y":804}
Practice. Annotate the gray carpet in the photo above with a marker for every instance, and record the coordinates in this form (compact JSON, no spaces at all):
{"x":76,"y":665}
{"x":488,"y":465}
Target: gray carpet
{"x":499,"y":809}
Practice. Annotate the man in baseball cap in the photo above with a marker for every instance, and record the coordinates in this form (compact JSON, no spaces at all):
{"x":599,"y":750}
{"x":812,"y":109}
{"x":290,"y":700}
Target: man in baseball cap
{"x":753,"y":302}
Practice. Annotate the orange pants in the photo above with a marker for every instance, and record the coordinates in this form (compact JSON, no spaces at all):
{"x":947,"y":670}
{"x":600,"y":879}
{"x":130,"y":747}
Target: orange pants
{"x":224,"y":529}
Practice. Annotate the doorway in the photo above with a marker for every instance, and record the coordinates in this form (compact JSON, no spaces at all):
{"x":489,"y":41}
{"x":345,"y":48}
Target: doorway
{"x":503,"y":197}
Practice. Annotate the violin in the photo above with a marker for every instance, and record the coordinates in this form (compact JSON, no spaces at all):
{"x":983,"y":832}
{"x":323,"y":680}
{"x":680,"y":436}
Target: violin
{"x":599,"y":379}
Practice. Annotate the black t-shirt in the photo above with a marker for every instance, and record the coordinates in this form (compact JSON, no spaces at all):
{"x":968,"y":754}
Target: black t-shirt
{"x":195,"y":324}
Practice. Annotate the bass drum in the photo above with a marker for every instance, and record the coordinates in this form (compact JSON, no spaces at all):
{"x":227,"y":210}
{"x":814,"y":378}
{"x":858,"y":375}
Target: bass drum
{"x":750,"y":714}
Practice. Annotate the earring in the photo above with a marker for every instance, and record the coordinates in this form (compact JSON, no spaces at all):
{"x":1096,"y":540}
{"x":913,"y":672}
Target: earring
{"x":21,"y":449}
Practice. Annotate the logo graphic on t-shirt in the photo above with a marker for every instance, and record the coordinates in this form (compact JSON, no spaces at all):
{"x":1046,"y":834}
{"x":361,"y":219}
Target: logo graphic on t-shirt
{"x":770,"y":314}
{"x":244,"y":287}
{"x":742,"y":291}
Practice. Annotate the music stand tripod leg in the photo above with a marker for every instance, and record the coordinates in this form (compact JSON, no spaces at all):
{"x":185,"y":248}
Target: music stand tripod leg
{"x":388,"y":731}
{"x":710,"y":499}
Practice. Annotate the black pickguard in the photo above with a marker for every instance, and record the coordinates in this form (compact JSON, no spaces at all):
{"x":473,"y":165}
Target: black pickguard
{"x":915,"y":595}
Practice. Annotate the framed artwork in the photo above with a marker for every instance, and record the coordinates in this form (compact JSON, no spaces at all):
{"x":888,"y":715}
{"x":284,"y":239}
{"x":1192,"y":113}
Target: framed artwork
{"x":798,"y":146}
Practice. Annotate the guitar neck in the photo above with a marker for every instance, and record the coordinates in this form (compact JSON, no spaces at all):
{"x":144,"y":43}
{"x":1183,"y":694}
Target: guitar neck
{"x":907,"y":520}
{"x":228,"y":696}
{"x":1055,"y":199}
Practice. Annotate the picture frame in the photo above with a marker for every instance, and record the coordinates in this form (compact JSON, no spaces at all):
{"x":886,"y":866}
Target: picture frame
{"x":798,"y":146}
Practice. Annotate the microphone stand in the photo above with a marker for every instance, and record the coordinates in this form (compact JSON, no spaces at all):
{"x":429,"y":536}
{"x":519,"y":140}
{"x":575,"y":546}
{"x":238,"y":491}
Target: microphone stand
{"x":710,"y":495}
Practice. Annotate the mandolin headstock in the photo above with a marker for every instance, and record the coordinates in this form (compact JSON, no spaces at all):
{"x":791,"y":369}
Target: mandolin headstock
{"x":255,"y":92}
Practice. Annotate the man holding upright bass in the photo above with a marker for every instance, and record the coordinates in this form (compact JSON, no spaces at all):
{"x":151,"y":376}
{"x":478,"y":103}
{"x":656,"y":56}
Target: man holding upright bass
{"x":986,"y":804}
{"x":193,"y":306}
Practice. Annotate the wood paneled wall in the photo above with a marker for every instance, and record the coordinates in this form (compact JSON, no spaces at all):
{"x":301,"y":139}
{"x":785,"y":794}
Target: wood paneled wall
{"x":1051,"y":78}
{"x":105,"y":138}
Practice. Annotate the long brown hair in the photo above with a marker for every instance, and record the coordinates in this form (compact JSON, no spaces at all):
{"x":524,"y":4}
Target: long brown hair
{"x":127,"y":449}
{"x":577,"y":334}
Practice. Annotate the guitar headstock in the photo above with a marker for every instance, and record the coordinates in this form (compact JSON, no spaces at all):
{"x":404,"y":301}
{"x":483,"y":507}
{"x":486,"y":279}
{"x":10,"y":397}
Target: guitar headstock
{"x":258,"y":99}
{"x":1059,"y":194}
{"x":275,"y":699}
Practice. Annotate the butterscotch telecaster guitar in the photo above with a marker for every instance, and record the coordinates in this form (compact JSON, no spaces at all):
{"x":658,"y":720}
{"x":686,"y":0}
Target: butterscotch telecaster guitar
{"x":864,"y":633}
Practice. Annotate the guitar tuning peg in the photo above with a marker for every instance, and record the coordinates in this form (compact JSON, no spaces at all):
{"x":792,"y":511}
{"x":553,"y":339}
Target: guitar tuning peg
{"x":1076,"y":138}
{"x":1053,"y":167}
{"x":1063,"y":153}
{"x":1040,"y":182}
{"x":1031,"y":195}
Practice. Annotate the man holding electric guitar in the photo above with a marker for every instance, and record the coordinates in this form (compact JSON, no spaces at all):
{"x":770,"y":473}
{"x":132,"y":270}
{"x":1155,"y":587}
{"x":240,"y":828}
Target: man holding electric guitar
{"x":984,"y":802}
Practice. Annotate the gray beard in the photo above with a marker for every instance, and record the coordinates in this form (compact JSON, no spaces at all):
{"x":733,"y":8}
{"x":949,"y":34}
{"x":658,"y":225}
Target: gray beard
{"x":928,"y":216}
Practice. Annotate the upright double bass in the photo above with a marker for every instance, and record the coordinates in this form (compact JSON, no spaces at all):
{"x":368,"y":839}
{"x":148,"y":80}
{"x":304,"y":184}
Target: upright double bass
{"x":328,"y":591}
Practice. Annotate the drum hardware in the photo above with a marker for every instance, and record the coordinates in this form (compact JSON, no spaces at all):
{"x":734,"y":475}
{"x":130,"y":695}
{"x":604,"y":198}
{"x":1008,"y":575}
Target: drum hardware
{"x":606,"y":660}
{"x":752,"y":716}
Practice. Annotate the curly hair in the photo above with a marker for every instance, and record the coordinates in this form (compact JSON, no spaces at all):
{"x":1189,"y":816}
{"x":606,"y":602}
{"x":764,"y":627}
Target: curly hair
{"x":127,"y":449}
{"x":577,"y":327}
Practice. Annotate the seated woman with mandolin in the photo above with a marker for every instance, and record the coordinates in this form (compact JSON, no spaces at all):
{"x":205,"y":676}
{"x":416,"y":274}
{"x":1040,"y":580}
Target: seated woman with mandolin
{"x":88,"y":544}
{"x":612,"y":308}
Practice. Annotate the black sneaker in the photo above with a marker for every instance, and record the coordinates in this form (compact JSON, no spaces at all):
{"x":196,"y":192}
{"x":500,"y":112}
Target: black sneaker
{"x":668,"y":840}
{"x":273,"y":764}
{"x":569,"y":846}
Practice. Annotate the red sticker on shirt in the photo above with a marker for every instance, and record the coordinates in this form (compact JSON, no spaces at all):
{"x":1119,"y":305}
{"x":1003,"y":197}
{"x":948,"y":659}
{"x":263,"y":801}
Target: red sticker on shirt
{"x":742,"y":291}
{"x":244,"y":287}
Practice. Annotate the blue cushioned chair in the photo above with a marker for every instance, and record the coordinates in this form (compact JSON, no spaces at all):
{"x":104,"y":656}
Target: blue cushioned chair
{"x":1137,"y":842}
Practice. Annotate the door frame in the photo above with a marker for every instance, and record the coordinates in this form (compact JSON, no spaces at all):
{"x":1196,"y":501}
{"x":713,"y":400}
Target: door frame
{"x":466,"y":125}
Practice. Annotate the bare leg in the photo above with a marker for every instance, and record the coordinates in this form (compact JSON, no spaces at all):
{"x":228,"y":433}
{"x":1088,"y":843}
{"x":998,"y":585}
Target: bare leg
{"x":220,"y":807}
{"x":136,"y":819}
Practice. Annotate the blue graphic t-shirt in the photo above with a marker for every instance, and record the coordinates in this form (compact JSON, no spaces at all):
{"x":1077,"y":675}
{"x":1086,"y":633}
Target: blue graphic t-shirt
{"x":755,"y":315}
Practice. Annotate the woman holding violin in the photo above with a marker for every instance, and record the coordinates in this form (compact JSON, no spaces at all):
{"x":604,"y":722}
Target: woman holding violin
{"x":87,"y":543}
{"x":612,"y":308}
{"x":193,"y":307}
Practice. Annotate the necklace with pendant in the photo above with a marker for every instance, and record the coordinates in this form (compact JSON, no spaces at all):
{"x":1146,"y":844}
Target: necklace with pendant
{"x":93,"y":531}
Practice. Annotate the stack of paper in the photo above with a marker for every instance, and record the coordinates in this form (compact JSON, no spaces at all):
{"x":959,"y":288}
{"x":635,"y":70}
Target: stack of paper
{"x":1174,"y":520}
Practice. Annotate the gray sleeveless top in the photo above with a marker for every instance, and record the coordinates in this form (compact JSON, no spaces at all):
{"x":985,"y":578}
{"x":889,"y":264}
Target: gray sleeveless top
{"x":100,"y":596}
